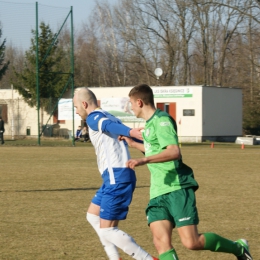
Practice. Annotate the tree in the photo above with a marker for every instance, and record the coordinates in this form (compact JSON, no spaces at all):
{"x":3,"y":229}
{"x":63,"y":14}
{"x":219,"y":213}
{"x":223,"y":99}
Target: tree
{"x":3,"y":65}
{"x":138,"y":57}
{"x":51,"y":79}
{"x":87,"y":59}
{"x":16,"y":58}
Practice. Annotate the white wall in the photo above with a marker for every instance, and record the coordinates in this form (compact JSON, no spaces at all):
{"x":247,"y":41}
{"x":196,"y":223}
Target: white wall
{"x":190,"y":125}
{"x":22,"y":114}
{"x":218,"y":111}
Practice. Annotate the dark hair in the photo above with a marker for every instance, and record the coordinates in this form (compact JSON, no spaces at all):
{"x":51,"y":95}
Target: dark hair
{"x":143,"y":92}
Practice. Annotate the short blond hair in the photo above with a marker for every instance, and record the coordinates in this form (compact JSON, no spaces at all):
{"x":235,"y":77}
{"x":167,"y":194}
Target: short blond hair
{"x":85,"y":94}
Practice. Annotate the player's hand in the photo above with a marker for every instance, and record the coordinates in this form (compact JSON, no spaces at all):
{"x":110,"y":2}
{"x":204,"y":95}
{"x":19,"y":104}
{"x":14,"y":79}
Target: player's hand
{"x":129,"y":140}
{"x":132,"y":163}
{"x":137,"y":133}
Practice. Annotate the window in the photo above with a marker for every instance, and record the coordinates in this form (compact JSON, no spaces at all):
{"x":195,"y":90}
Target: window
{"x":188,"y":112}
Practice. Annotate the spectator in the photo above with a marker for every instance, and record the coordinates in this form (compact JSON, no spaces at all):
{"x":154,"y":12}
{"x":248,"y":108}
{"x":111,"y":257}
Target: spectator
{"x":2,"y":130}
{"x":78,"y":134}
{"x":84,"y":134}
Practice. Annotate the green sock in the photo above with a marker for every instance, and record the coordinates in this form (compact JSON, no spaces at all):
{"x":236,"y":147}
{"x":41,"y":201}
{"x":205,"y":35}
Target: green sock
{"x":169,"y":255}
{"x":216,"y":243}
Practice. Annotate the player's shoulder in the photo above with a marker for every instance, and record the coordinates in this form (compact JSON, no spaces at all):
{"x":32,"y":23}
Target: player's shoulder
{"x":95,"y":116}
{"x":162,"y":118}
{"x":161,"y":115}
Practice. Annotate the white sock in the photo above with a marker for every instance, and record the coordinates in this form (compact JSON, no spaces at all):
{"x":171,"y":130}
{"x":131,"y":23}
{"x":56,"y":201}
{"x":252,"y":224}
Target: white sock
{"x":109,"y":247}
{"x":124,"y":242}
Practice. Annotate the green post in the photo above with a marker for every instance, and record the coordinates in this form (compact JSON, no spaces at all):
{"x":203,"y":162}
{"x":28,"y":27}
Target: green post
{"x":72,"y":72}
{"x":37,"y":74}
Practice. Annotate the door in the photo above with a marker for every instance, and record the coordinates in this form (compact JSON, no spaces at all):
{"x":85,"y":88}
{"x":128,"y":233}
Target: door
{"x":170,"y":108}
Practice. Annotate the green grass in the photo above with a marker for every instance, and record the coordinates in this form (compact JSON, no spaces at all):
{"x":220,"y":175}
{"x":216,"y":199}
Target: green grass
{"x":45,"y":192}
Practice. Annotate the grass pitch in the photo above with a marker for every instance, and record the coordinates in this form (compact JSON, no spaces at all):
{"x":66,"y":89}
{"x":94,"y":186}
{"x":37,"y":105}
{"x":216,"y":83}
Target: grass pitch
{"x":45,"y":192}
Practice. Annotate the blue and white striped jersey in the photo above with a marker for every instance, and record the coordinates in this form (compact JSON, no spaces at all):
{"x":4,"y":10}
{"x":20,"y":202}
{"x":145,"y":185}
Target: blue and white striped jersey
{"x":112,"y":154}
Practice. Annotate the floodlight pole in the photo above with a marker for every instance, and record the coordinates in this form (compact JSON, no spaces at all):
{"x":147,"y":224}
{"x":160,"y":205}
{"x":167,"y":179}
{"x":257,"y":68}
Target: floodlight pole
{"x":158,"y":72}
{"x":37,"y":73}
{"x":12,"y":122}
{"x":158,"y":83}
{"x":72,"y":72}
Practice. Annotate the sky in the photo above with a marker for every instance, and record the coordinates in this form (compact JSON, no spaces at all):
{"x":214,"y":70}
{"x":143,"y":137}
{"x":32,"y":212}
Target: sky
{"x":17,"y":17}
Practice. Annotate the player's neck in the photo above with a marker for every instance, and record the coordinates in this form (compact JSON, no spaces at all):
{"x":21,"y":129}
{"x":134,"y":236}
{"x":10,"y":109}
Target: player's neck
{"x":148,"y":112}
{"x":92,"y":108}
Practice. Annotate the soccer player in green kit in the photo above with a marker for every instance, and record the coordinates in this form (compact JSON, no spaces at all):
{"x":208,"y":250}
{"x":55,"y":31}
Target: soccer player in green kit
{"x":172,"y":192}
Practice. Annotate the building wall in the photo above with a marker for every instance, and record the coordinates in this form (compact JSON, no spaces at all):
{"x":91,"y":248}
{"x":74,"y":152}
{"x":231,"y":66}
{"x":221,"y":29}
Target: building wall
{"x":187,"y":125}
{"x":222,"y":111}
{"x":20,"y":116}
{"x":217,"y":111}
{"x":201,"y":113}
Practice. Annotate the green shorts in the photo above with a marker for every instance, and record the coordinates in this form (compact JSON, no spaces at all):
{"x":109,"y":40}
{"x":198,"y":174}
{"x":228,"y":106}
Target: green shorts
{"x":179,"y":207}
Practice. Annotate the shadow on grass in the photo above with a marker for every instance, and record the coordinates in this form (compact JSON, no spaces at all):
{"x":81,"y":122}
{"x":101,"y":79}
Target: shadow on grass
{"x":68,"y":189}
{"x":33,"y":142}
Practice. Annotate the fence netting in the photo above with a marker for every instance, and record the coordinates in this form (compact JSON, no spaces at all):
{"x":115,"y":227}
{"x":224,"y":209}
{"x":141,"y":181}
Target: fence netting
{"x":20,"y":84}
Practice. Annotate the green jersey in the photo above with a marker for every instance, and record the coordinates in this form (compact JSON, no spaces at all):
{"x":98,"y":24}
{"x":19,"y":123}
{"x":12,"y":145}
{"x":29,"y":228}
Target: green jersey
{"x":161,"y":131}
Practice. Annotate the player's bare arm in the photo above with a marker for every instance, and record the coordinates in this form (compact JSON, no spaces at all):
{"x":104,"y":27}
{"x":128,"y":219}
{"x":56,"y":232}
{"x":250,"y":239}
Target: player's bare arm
{"x":172,"y":152}
{"x":132,"y":163}
{"x":136,"y":133}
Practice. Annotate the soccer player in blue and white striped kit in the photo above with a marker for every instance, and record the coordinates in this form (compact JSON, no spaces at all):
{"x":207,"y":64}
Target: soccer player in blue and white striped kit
{"x":111,"y":201}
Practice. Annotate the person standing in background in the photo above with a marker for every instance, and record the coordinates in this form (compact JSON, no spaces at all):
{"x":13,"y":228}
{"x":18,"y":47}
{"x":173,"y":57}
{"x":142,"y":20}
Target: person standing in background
{"x":2,"y":130}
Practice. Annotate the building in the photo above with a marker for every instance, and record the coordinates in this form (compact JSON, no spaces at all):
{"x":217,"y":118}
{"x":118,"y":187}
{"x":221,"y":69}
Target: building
{"x":20,"y":119}
{"x":201,"y":112}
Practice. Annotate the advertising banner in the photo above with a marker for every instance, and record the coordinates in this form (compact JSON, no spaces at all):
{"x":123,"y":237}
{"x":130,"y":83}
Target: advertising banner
{"x":65,"y":110}
{"x":180,"y":92}
{"x":119,"y":107}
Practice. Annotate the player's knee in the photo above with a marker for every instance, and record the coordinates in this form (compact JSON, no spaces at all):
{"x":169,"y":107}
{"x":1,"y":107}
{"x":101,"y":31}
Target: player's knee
{"x":118,"y":238}
{"x":107,"y":233}
{"x":93,"y":220}
{"x":157,"y":245}
{"x":162,"y":244}
{"x":191,"y":244}
{"x":89,"y":218}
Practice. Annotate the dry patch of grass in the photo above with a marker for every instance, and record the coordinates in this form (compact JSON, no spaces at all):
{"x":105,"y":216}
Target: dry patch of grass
{"x":45,"y":192}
